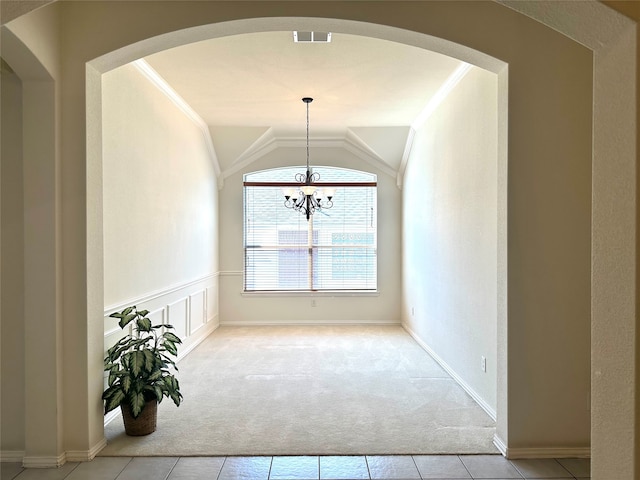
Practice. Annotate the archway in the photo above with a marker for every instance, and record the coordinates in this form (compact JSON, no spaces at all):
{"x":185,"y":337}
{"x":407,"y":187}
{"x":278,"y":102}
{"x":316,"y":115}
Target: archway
{"x":337,"y":26}
{"x":36,"y":262}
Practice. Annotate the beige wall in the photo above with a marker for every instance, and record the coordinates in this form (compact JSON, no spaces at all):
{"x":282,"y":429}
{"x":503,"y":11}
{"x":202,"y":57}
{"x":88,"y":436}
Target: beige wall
{"x":41,"y":324}
{"x":542,"y":65}
{"x":255,"y":308}
{"x":632,"y":11}
{"x":450,"y":284}
{"x":12,"y":273}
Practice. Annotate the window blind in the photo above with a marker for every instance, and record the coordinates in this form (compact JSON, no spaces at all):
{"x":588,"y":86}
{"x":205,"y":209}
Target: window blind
{"x":336,"y":250}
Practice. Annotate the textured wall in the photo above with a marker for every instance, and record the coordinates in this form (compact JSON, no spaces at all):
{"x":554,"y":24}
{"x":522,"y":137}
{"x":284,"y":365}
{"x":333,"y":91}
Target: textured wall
{"x":450,"y":232}
{"x":160,"y":194}
{"x":12,"y":274}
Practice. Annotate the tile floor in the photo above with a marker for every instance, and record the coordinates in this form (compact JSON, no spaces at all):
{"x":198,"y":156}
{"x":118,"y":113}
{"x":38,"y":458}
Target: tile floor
{"x":450,"y":467}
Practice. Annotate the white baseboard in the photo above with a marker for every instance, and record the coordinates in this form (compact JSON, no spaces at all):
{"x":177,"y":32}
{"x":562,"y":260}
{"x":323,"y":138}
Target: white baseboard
{"x":541,"y":452}
{"x":11,"y":456}
{"x":500,"y":445}
{"x":44,"y":461}
{"x":266,"y":323}
{"x":467,"y":388}
{"x":112,"y":415}
{"x":18,"y":456}
{"x":209,"y":328}
{"x":86,"y":455}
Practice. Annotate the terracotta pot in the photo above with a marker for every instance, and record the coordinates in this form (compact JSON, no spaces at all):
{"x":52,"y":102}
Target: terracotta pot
{"x":146,"y":421}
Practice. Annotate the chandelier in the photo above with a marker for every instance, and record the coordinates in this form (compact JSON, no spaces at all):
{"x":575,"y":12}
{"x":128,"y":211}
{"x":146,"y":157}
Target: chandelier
{"x":306,"y":197}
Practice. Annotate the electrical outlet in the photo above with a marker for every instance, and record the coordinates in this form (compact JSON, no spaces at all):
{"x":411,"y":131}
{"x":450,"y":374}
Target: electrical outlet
{"x":413,"y":312}
{"x":313,"y":303}
{"x":483,"y":363}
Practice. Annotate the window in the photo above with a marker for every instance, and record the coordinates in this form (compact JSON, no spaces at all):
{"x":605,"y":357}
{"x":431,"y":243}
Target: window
{"x":335,"y":250}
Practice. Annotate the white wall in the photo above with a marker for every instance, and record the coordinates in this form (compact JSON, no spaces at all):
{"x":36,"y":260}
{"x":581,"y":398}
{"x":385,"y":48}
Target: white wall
{"x":450,"y":233}
{"x":160,"y":209}
{"x":296,"y":308}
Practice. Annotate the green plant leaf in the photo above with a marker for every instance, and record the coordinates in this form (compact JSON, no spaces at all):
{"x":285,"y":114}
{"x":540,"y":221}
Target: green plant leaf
{"x":137,"y":403}
{"x":113,"y":374}
{"x":126,"y":383}
{"x":176,"y":397}
{"x":144,"y":324}
{"x":143,"y":313}
{"x":108,"y":393}
{"x":149,"y":360}
{"x":171,"y":348}
{"x":125,"y":360}
{"x":171,"y":337}
{"x":155,"y":376}
{"x":126,"y":319}
{"x":159,"y":394}
{"x":114,"y":400}
{"x":137,"y":362}
{"x":168,"y":361}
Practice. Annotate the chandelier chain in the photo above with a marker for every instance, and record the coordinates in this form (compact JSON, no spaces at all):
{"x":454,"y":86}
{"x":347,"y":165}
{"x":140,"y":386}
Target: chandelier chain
{"x":307,"y":135}
{"x":307,"y":198}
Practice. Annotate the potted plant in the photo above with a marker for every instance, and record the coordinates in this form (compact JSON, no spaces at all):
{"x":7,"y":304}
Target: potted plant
{"x":139,"y":371}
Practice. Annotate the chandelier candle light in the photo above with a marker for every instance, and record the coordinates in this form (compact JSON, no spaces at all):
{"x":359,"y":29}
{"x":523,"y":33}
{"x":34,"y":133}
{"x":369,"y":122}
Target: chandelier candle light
{"x":306,"y":198}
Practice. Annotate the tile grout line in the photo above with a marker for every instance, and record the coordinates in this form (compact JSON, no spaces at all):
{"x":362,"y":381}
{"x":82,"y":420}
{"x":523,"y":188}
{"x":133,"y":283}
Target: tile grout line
{"x":516,"y":468}
{"x":221,"y":467}
{"x":416,"y":465}
{"x":464,"y":466}
{"x":172,"y":468}
{"x":120,"y":473}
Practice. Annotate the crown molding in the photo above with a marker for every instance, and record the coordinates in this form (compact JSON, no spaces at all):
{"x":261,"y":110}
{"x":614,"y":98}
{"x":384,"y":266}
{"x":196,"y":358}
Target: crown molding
{"x":265,"y":144}
{"x":161,"y":84}
{"x":435,"y":101}
{"x":268,"y":142}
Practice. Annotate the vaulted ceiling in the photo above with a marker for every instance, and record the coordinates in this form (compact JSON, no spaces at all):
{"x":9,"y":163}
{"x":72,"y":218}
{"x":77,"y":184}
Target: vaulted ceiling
{"x":247,"y":89}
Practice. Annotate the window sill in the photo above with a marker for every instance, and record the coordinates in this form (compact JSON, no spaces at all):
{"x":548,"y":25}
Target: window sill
{"x":324,"y":293}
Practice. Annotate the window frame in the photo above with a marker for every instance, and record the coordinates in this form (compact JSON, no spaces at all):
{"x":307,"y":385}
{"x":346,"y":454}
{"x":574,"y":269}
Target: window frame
{"x":311,"y":248}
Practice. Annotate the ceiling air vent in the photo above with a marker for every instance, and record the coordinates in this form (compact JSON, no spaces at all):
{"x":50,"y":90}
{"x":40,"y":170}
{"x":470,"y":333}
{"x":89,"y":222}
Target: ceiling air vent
{"x":311,"y":37}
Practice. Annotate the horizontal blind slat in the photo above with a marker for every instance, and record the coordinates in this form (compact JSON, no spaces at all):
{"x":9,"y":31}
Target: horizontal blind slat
{"x":340,"y":255}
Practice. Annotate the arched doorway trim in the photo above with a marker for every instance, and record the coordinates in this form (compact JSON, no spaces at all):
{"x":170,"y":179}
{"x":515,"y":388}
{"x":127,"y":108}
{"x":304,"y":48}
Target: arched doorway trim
{"x":130,"y":53}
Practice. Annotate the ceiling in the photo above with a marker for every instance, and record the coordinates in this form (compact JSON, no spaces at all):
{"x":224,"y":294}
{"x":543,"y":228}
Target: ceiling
{"x":248,"y":89}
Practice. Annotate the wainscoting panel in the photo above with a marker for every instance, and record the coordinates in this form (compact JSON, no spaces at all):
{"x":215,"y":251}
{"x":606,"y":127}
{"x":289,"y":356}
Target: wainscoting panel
{"x":192,"y":308}
{"x":178,"y":316}
{"x":197,"y":309}
{"x":157,"y":316}
{"x":212,"y":301}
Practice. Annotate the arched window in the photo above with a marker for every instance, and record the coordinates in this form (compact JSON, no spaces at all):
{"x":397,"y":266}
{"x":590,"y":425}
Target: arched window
{"x":335,"y":250}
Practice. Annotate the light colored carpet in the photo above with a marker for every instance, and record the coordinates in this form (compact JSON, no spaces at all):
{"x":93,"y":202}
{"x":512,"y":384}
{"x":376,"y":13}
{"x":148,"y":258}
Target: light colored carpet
{"x":316,"y":390}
